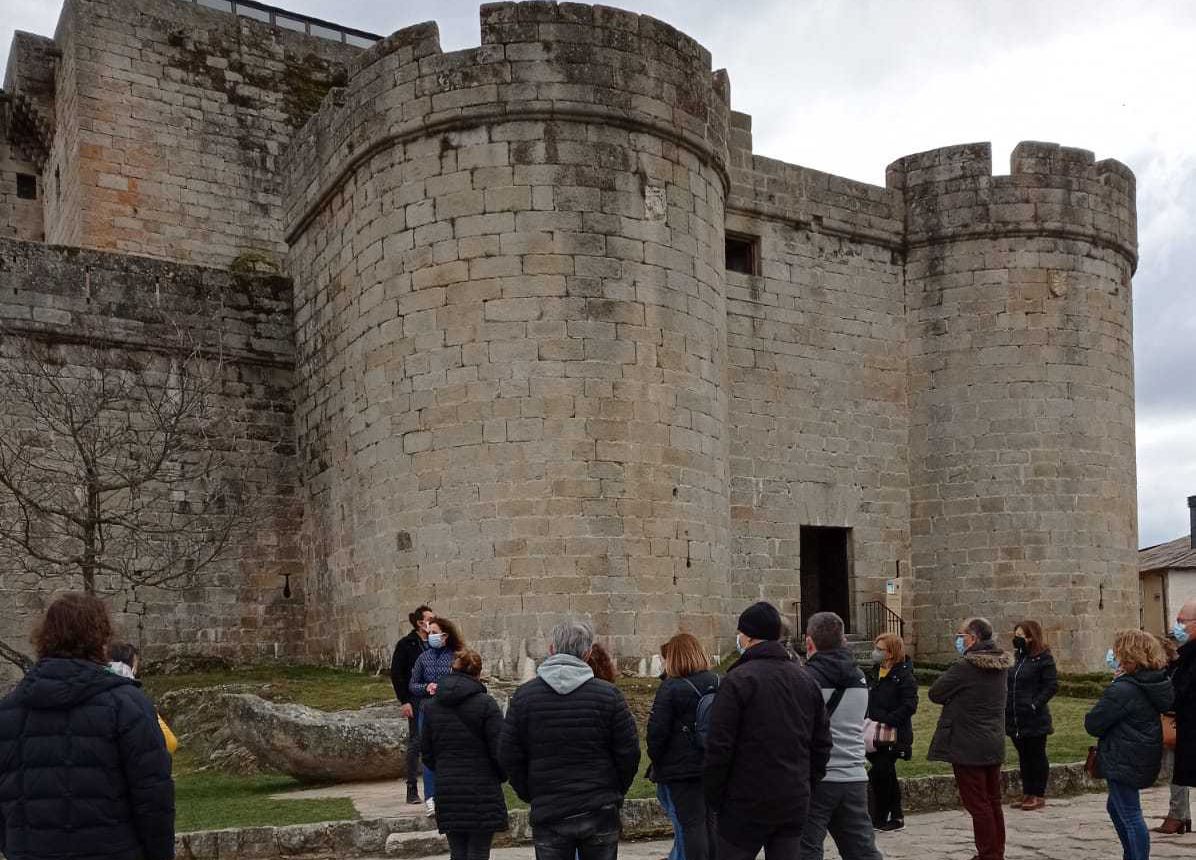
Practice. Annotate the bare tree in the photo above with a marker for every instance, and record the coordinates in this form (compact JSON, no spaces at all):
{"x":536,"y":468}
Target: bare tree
{"x":113,"y":467}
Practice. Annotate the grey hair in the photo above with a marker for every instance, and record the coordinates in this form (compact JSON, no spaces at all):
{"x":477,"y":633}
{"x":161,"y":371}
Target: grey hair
{"x":573,"y":637}
{"x":826,"y":629}
{"x":981,"y":628}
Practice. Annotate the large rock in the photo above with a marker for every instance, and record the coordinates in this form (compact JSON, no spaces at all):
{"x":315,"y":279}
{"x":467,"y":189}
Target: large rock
{"x":199,"y":718}
{"x":321,"y":746}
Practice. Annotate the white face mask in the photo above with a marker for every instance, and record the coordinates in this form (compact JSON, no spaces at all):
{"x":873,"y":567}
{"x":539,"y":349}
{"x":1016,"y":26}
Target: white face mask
{"x":739,"y":646}
{"x":436,"y":640}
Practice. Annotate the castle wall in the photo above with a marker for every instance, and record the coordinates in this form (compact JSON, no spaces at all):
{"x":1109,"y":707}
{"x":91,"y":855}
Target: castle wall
{"x":1022,"y":436}
{"x":237,"y":609}
{"x":817,"y":376}
{"x":510,"y":329}
{"x":170,"y":120}
{"x":20,"y":218}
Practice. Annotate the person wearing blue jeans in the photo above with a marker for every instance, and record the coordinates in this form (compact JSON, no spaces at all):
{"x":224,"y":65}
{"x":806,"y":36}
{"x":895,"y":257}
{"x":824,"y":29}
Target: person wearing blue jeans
{"x":444,"y":643}
{"x":677,"y":852}
{"x":1129,"y":751}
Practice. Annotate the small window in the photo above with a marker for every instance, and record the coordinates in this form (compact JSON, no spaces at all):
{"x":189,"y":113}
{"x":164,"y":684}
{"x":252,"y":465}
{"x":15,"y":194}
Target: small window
{"x":57,"y":185}
{"x":26,"y":186}
{"x":742,"y":254}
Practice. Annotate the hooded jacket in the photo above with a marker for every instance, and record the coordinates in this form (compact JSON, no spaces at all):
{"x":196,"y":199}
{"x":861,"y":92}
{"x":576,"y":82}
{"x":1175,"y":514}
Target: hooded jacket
{"x":1033,"y":682}
{"x":1126,"y":720}
{"x":1184,"y":680}
{"x":836,"y":670}
{"x":569,"y":742}
{"x":971,"y":727}
{"x":768,"y":745}
{"x":459,"y":741}
{"x":84,"y":771}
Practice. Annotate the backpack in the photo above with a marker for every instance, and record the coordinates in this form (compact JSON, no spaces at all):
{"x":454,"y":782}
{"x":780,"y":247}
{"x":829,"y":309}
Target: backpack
{"x":700,"y":727}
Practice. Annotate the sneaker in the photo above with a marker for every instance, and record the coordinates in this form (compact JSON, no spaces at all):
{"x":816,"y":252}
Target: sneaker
{"x":412,"y":794}
{"x":897,"y":824}
{"x":430,"y":806}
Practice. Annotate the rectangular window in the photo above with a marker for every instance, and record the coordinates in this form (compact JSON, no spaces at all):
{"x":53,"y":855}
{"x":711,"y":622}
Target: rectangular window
{"x":743,"y":254}
{"x":26,"y":186}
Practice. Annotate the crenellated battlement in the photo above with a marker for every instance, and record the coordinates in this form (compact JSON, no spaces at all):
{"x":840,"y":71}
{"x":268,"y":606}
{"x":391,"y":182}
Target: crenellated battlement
{"x":1052,"y":190}
{"x":536,"y":61}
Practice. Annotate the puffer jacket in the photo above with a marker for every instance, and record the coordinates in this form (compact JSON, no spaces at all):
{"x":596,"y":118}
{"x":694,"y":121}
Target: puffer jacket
{"x":1126,"y":720}
{"x":971,"y":727}
{"x":836,"y":670}
{"x":1033,"y":682}
{"x":676,"y":756}
{"x":84,"y":771}
{"x":893,"y":700}
{"x":459,"y":741}
{"x":569,"y":744}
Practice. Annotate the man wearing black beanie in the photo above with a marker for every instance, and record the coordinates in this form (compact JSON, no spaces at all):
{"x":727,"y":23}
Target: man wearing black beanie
{"x":769,"y":741}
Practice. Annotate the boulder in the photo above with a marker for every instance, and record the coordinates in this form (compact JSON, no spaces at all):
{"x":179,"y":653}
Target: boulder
{"x":199,"y":718}
{"x":321,"y":746}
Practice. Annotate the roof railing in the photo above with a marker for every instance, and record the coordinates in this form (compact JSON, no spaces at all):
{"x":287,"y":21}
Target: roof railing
{"x":291,"y":21}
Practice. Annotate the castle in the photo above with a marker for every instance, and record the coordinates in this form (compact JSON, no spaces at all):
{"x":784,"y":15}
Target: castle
{"x":528,"y":330}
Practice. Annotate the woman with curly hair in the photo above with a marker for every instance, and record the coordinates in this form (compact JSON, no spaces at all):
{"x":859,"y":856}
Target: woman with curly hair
{"x":80,"y":746}
{"x":1126,"y":720}
{"x":444,"y":644}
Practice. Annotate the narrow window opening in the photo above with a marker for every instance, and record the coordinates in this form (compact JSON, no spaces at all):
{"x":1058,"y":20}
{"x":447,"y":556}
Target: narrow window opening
{"x":742,"y":254}
{"x":26,"y":186}
{"x":57,"y":185}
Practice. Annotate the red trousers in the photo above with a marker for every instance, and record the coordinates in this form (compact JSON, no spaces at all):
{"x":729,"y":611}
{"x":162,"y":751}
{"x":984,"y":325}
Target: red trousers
{"x":980,"y":791}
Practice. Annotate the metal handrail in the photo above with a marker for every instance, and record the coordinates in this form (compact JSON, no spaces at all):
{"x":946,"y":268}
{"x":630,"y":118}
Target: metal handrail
{"x":878,"y":618}
{"x":287,"y":20}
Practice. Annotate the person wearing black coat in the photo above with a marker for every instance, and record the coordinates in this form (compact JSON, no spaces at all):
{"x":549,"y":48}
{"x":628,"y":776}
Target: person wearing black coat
{"x":1126,"y":720}
{"x":769,"y":742}
{"x":892,"y":701}
{"x":1184,"y":680}
{"x":570,"y":749}
{"x":460,"y":742}
{"x":1033,"y":682}
{"x":676,"y":749}
{"x":84,"y":771}
{"x":407,"y":651}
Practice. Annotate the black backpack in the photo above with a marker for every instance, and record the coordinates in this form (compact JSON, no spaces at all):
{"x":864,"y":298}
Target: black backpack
{"x":700,"y":727}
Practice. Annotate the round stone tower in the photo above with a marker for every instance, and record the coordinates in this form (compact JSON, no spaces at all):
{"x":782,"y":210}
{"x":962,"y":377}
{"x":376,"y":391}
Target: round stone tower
{"x":510,"y":322}
{"x":1021,"y":394}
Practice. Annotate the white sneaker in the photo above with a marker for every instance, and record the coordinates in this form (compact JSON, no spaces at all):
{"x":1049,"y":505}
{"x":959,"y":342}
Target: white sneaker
{"x":430,"y":806}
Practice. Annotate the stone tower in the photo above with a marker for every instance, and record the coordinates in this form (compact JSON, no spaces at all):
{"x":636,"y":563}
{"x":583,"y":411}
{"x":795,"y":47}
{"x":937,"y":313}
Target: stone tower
{"x":511,"y":331}
{"x":1021,"y":393}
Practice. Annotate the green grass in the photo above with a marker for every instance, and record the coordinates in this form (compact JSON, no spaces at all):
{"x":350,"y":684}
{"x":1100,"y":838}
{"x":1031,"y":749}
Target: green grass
{"x":207,"y":800}
{"x":316,"y":687}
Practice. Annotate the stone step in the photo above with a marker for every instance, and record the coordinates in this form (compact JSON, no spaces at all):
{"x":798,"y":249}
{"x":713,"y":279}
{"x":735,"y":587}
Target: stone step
{"x":418,"y":844}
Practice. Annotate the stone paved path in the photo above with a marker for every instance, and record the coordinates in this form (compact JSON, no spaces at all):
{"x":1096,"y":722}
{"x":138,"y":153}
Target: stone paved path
{"x":1073,"y":828}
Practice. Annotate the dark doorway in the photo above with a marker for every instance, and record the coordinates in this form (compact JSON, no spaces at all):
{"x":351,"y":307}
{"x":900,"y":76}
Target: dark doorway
{"x":825,"y":572}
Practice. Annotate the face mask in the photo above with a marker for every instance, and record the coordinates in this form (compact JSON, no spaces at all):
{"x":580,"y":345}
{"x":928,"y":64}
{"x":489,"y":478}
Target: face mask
{"x":878,"y":656}
{"x":436,"y":640}
{"x":1019,"y":642}
{"x":739,"y":644}
{"x":959,"y":645}
{"x":1111,"y":661}
{"x":1180,"y":632}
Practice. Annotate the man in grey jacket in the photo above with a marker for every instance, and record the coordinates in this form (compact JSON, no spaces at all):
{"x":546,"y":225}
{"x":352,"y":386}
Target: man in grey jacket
{"x":840,"y":802}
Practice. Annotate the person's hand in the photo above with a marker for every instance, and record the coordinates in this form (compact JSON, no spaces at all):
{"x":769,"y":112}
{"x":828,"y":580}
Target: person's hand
{"x":407,"y":711}
{"x":1119,"y":672}
{"x":431,"y":688}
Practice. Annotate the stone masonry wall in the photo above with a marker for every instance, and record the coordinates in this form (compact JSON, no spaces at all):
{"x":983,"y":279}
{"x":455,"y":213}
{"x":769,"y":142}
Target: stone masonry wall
{"x":19,"y":218}
{"x":817,"y":376}
{"x":170,"y":121}
{"x":1022,"y":433}
{"x":238,"y":610}
{"x":510,"y":322}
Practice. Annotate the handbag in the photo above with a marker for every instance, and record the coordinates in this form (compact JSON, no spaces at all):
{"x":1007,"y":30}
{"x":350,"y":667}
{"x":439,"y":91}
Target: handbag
{"x":1168,"y":730}
{"x":1092,"y":764}
{"x":878,"y":736}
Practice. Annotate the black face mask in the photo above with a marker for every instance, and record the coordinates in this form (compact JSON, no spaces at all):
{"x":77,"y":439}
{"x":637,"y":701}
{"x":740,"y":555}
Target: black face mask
{"x":1019,"y":642}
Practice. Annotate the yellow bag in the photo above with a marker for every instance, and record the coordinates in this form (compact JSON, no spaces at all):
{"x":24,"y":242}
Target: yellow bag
{"x":172,"y":743}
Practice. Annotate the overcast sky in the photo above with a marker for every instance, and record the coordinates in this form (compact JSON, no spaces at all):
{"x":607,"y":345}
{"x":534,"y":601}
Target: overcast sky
{"x":849,"y":86}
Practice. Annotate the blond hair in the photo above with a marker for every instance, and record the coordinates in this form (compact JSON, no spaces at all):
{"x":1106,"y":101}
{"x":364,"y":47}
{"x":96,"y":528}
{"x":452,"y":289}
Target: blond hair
{"x":891,"y":643}
{"x":1137,"y":649}
{"x":683,"y":655}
